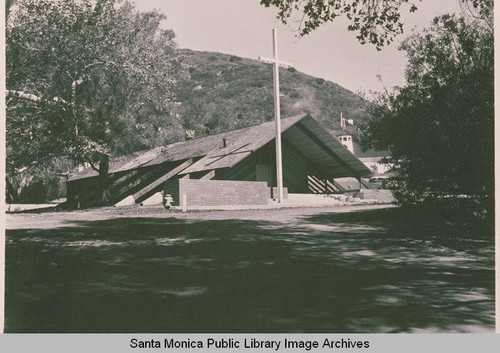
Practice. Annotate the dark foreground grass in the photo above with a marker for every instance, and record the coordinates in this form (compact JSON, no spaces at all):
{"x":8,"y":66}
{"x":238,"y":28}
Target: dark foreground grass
{"x":370,"y":271}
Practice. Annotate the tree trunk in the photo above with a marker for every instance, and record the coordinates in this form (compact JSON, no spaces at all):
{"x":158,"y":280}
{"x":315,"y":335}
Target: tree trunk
{"x":12,"y":194}
{"x":103,"y":179}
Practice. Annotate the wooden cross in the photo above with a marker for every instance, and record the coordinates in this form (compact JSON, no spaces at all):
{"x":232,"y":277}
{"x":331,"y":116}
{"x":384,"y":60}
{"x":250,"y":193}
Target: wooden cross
{"x":276,"y":64}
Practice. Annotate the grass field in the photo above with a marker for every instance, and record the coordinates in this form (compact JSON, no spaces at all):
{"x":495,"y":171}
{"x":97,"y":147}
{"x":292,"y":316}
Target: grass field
{"x":357,"y":269}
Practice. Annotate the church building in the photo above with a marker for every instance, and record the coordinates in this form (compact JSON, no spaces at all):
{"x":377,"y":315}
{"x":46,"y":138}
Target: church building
{"x":232,"y":168}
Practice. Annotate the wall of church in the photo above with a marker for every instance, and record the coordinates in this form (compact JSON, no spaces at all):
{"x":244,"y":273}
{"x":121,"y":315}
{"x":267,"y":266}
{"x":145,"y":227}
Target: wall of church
{"x":217,"y":192}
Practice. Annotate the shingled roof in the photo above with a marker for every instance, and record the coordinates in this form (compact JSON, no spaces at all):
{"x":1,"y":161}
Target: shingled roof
{"x":301,"y":130}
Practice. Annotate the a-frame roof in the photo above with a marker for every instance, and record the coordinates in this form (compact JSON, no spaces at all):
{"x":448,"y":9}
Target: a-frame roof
{"x":324,"y":150}
{"x":303,"y":131}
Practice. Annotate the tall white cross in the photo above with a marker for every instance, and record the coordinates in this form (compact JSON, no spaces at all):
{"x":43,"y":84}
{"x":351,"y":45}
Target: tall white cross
{"x":276,"y":78}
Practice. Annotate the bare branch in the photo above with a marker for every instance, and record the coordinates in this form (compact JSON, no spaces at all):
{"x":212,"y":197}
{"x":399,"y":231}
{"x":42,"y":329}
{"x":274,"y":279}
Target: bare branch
{"x":34,"y":98}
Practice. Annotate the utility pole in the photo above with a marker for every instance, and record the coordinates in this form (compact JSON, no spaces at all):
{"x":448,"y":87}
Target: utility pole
{"x":276,"y":79}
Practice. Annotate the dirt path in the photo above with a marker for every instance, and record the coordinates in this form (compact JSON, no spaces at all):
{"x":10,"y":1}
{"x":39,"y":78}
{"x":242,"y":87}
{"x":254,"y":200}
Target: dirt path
{"x":62,"y":219}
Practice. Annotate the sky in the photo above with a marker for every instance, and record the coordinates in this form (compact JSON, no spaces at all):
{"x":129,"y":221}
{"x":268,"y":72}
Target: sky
{"x":244,"y":27}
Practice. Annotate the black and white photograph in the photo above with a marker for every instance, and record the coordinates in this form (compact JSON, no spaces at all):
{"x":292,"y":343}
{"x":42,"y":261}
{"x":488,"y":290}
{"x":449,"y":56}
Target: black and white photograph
{"x":249,"y":166}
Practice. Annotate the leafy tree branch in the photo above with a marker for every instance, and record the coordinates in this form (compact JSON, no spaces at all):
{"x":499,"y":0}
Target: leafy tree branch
{"x":375,"y":21}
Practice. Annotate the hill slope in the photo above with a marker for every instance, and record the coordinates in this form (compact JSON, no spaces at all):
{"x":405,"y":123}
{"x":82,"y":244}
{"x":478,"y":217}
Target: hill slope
{"x":223,"y":92}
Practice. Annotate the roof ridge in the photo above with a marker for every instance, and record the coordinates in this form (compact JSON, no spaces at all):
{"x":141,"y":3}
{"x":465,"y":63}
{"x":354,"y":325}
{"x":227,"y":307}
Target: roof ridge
{"x":135,"y":158}
{"x":240,"y":129}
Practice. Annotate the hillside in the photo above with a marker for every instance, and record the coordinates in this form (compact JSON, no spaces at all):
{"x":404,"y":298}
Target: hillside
{"x":223,"y":92}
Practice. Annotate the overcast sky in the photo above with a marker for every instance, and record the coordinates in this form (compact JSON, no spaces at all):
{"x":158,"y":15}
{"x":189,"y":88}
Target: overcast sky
{"x":243,"y":28}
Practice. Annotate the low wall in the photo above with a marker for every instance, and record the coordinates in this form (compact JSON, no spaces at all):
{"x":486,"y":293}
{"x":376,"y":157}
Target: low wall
{"x":375,"y":194}
{"x":217,"y":192}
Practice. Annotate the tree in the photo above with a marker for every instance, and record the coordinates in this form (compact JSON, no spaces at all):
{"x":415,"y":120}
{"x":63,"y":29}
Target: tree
{"x":79,"y":74}
{"x":439,"y":127}
{"x":376,"y":21}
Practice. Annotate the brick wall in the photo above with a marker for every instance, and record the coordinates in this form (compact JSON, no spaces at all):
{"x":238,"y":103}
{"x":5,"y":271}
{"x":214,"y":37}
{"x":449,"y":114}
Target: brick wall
{"x":375,"y":194}
{"x":218,"y":192}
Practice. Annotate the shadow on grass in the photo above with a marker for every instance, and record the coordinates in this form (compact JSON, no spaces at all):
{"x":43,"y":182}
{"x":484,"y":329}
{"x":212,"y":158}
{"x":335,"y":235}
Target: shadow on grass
{"x":360,"y":272}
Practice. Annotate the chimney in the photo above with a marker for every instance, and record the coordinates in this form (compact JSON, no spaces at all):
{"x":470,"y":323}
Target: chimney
{"x":224,"y":142}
